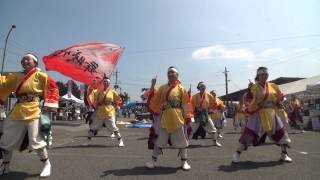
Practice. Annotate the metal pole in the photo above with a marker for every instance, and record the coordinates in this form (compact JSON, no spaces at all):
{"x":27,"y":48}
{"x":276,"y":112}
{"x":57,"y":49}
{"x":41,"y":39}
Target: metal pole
{"x":226,"y":79}
{"x":5,"y":48}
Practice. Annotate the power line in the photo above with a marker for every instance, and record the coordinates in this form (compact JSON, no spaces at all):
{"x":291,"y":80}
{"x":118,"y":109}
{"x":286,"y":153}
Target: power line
{"x":235,"y":85}
{"x":288,"y":58}
{"x":227,"y":43}
{"x":18,"y":45}
{"x":13,"y":52}
{"x":134,"y":84}
{"x":294,"y":57}
{"x":24,"y":48}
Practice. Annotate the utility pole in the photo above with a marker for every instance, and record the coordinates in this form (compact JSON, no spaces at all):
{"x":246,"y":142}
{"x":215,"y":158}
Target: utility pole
{"x":226,"y":81}
{"x":116,"y":84}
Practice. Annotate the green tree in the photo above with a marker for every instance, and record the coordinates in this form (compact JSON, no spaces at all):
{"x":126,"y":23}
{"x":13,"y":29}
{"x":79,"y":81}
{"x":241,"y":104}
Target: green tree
{"x":143,"y":90}
{"x":125,"y":97}
{"x":75,"y":90}
{"x":62,"y":88}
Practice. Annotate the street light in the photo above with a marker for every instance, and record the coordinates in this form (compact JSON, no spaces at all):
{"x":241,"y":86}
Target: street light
{"x":5,"y":47}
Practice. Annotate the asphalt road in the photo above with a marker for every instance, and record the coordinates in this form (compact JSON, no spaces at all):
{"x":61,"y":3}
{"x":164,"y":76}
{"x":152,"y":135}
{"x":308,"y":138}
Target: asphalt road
{"x":104,"y":160}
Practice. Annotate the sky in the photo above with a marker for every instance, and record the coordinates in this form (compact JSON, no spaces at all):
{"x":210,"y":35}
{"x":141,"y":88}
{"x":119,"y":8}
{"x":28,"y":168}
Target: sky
{"x":200,"y":37}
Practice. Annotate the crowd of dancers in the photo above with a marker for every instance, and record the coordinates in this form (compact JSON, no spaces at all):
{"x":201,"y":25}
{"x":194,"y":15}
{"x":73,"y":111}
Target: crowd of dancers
{"x":177,"y":115}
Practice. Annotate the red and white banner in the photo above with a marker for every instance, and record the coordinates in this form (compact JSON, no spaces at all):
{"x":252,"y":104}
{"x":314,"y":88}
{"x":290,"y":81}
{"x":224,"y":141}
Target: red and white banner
{"x":85,"y":62}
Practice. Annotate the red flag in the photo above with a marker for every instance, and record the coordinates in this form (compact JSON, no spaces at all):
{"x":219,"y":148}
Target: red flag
{"x":84,"y":62}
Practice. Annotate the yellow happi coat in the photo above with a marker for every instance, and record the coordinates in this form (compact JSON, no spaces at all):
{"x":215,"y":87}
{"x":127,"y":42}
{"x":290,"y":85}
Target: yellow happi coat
{"x":240,"y":113}
{"x":216,"y":109}
{"x":34,"y":83}
{"x":104,"y":102}
{"x":202,"y":102}
{"x":295,"y":104}
{"x":171,"y":118}
{"x":282,"y":114}
{"x":267,"y":97}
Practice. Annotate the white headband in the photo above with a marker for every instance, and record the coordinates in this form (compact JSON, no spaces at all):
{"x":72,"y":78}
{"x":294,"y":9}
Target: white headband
{"x":262,"y":71}
{"x":107,"y":79}
{"x":173,"y":69}
{"x":32,"y":56}
{"x":200,"y":83}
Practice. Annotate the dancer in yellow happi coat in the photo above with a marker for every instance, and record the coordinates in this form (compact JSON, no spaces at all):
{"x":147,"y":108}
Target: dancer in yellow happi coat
{"x":295,"y":111}
{"x":105,"y":102}
{"x":172,"y":103}
{"x":200,"y":104}
{"x":241,"y":116}
{"x":281,"y":112}
{"x":29,"y":87}
{"x":263,"y":118}
{"x":217,"y":114}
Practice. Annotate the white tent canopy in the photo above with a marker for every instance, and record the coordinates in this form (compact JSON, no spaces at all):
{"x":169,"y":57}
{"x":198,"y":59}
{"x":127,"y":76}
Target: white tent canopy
{"x":301,"y":85}
{"x":314,"y":86}
{"x":72,"y":98}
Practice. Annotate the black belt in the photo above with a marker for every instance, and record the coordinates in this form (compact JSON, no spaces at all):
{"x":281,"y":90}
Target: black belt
{"x":28,"y":98}
{"x":267,"y":105}
{"x":171,"y":104}
{"x":105,"y":103}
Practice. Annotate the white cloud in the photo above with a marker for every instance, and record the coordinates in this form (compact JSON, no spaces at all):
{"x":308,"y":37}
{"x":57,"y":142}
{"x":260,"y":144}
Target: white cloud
{"x":251,"y":66}
{"x":301,"y":50}
{"x":220,"y":51}
{"x":207,"y":52}
{"x":242,"y":54}
{"x":271,"y":52}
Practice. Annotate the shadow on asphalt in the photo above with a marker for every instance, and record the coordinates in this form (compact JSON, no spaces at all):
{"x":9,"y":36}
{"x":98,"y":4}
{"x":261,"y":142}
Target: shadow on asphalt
{"x":200,"y":138}
{"x":238,"y":132}
{"x":142,"y":138}
{"x":18,"y":175}
{"x":84,"y":147}
{"x":196,"y":146}
{"x":146,"y":138}
{"x":139,"y":171}
{"x":248,"y":165}
{"x":97,"y":136}
{"x":294,"y":132}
